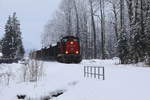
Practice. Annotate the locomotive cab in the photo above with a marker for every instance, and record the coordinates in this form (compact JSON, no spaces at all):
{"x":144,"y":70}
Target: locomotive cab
{"x":69,"y":50}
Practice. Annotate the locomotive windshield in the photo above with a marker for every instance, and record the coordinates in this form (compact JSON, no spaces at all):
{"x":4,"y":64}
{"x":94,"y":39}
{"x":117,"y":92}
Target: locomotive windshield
{"x":65,"y":39}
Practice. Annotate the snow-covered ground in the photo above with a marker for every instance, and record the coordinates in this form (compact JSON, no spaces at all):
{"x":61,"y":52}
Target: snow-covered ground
{"x":122,"y":82}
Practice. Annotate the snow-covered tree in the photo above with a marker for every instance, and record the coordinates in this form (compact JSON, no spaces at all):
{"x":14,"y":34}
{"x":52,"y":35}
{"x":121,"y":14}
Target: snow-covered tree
{"x":122,"y":40}
{"x":6,"y":42}
{"x":123,"y":49}
{"x":147,"y":31}
{"x":102,"y":25}
{"x":12,"y":46}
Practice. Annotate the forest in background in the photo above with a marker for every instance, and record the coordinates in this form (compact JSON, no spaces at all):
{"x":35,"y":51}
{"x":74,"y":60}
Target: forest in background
{"x":106,"y":28}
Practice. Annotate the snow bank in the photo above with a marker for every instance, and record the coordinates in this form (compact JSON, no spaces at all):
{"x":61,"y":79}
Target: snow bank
{"x":123,"y":82}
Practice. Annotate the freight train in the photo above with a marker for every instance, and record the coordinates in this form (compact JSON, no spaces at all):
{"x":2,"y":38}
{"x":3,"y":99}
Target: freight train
{"x":67,"y":50}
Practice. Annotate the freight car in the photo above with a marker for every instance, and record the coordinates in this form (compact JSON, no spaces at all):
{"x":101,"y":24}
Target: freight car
{"x":67,"y":50}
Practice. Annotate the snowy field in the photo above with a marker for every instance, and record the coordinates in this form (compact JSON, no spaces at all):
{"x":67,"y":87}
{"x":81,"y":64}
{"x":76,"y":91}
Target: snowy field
{"x":122,"y":82}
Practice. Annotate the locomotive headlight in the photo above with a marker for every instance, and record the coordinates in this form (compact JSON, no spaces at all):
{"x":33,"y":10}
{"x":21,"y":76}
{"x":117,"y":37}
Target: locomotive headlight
{"x":77,"y":52}
{"x":71,"y":42}
{"x":66,"y":52}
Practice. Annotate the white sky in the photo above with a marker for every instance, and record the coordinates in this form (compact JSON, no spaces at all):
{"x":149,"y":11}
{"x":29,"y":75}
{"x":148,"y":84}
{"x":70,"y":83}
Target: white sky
{"x":33,"y":16}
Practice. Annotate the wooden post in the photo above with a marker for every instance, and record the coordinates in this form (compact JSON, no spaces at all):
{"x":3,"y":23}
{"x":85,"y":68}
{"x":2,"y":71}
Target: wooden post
{"x":95,"y":72}
{"x":90,"y":72}
{"x":84,"y":71}
{"x":103,"y":74}
{"x":98,"y":73}
{"x":87,"y":71}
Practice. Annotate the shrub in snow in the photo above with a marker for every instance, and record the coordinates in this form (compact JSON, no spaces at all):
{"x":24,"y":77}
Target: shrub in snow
{"x":33,"y":70}
{"x":5,"y":78}
{"x":5,"y":75}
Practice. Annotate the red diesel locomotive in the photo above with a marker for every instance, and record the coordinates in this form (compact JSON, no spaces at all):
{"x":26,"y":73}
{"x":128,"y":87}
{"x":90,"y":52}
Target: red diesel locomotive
{"x":67,"y":50}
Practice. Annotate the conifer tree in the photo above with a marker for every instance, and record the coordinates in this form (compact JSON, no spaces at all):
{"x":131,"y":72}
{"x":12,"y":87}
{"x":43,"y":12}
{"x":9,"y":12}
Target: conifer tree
{"x":147,"y":31}
{"x":7,"y":40}
{"x":12,"y":46}
{"x":123,"y":49}
{"x":123,"y":40}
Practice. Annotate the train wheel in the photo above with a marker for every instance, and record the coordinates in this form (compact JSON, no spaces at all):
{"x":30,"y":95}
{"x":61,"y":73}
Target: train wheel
{"x":78,"y":60}
{"x":60,"y":58}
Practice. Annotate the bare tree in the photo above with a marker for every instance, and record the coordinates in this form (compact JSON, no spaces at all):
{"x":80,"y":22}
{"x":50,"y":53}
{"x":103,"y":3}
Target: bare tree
{"x":77,"y":18}
{"x":115,"y":7}
{"x":91,"y":3}
{"x":102,"y":12}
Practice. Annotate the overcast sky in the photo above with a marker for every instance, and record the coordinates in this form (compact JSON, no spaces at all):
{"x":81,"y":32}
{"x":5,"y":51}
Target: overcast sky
{"x":33,"y":16}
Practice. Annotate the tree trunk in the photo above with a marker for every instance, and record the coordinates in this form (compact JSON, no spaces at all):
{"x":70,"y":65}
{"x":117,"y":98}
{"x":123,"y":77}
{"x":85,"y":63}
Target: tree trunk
{"x":93,"y":27}
{"x":102,"y":29}
{"x":77,"y":19}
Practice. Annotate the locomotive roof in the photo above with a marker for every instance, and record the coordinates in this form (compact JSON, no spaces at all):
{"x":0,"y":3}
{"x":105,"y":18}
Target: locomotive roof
{"x":70,"y":37}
